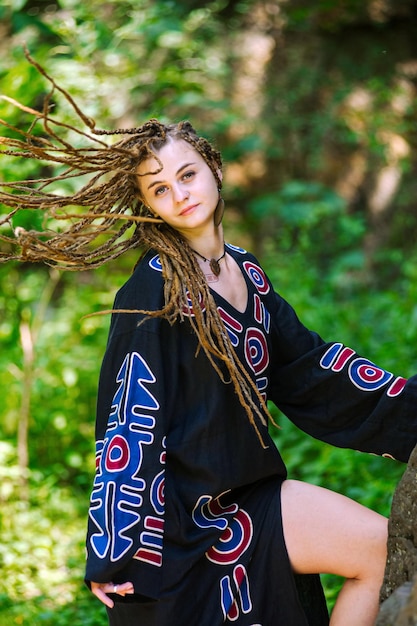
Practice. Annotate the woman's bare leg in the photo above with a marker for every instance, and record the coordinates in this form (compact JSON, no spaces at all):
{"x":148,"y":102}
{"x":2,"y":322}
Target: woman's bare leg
{"x":326,"y":532}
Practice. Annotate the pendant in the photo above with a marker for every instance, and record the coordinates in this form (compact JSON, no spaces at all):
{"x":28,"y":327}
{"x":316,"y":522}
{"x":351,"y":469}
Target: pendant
{"x":215,"y":266}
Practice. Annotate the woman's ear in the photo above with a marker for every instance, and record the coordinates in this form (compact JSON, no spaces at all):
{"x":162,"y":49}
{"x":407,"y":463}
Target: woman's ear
{"x":147,"y":209}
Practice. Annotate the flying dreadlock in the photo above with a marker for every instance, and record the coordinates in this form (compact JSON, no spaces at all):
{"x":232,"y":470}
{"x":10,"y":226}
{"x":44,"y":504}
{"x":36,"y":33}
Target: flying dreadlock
{"x":111,"y":203}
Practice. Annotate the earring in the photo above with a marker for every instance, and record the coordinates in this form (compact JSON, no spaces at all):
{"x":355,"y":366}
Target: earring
{"x":147,"y":211}
{"x":218,"y":212}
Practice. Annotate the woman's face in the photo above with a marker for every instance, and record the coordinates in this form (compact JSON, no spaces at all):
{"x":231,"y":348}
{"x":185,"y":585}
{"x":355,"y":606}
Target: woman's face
{"x":184,"y":193}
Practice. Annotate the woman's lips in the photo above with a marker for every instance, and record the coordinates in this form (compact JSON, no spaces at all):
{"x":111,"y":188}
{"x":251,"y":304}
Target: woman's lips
{"x":188,"y":209}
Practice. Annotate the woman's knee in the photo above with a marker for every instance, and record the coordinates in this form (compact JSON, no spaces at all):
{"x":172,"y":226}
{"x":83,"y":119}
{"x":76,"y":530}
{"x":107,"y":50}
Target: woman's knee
{"x":327,"y":532}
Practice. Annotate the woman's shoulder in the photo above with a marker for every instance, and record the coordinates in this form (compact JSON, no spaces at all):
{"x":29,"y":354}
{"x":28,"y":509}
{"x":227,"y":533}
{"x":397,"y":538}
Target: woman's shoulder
{"x":241,"y":254}
{"x":251,"y":266}
{"x":144,"y":288}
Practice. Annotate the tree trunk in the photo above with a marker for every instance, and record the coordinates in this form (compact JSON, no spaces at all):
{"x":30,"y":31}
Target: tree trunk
{"x":26,"y":340}
{"x":29,"y":334}
{"x":399,"y":589}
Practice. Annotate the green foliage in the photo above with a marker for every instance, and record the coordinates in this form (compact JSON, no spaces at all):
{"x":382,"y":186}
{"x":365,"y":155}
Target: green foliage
{"x":325,"y":95}
{"x":41,"y":551}
{"x":42,"y":540}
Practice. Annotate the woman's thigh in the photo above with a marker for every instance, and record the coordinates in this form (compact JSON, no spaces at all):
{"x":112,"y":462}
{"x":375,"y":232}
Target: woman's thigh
{"x":326,"y":532}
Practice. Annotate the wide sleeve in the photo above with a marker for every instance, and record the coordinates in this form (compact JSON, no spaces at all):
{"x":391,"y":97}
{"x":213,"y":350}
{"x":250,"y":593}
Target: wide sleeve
{"x":126,"y":514}
{"x":336,"y":395}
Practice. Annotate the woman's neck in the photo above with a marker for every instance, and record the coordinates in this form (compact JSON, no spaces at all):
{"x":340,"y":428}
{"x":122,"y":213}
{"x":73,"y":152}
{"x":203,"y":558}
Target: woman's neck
{"x":210,"y":246}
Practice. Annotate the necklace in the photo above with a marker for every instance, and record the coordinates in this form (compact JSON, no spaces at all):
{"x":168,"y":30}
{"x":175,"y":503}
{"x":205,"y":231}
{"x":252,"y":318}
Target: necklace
{"x":214,"y":265}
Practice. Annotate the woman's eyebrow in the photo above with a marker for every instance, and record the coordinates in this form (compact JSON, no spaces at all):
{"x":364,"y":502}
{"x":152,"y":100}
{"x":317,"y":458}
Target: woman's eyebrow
{"x":159,"y":182}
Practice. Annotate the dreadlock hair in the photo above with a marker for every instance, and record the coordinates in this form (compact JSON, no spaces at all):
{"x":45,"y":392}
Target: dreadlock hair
{"x":97,"y":217}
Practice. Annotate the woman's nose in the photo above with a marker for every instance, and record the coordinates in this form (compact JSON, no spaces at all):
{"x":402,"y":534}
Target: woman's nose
{"x":180,"y":193}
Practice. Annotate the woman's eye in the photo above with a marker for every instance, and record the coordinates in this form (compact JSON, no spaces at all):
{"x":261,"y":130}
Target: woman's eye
{"x":160,"y":190}
{"x":188,"y":175}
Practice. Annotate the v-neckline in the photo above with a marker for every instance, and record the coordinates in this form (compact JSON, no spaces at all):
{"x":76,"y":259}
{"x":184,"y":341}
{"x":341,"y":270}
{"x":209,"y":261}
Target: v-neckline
{"x":216,"y":294}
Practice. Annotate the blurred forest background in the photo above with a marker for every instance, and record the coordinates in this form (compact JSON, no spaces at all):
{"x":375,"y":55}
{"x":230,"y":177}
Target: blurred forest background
{"x":313,"y":104}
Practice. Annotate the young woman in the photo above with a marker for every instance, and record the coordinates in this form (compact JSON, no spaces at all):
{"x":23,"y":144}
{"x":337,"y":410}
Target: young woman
{"x":193,"y":520}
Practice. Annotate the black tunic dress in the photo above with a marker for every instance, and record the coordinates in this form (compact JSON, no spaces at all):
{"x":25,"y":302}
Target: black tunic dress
{"x":186,"y":501}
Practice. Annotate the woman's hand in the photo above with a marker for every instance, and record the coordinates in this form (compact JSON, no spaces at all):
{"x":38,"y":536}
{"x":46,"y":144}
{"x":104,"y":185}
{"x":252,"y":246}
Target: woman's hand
{"x":102,"y":589}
